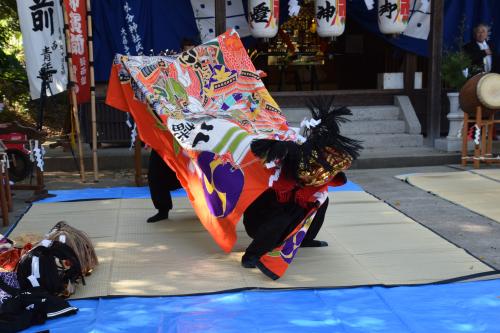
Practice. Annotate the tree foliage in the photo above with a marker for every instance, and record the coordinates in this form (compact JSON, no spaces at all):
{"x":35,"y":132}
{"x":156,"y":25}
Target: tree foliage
{"x":453,"y":67}
{"x":13,"y":80}
{"x":10,"y":66}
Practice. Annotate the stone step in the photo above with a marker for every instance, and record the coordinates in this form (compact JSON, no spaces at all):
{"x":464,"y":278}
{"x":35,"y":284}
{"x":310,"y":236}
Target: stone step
{"x":372,"y":127}
{"x":376,"y":112}
{"x":389,"y":140}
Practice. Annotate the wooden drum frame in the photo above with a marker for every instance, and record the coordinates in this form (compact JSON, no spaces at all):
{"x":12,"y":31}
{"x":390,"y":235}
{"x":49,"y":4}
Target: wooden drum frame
{"x":480,"y":100}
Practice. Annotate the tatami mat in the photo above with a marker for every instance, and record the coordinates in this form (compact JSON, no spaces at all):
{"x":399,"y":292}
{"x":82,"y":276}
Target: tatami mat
{"x":491,"y":173}
{"x":370,"y":243}
{"x":477,"y":190}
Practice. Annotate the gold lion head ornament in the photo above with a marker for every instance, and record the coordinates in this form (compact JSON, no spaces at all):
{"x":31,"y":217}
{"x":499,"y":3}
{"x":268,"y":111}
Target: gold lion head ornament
{"x":324,"y":153}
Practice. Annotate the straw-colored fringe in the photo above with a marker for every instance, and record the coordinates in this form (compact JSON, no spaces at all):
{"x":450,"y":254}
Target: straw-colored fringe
{"x":79,"y":241}
{"x":25,"y":238}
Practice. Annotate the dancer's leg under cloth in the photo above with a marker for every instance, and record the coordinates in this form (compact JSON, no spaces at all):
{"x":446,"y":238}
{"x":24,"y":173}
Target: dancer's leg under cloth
{"x":161,"y":180}
{"x":268,"y":222}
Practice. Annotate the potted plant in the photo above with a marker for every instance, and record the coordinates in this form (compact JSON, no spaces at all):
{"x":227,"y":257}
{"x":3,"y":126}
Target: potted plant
{"x":455,"y":70}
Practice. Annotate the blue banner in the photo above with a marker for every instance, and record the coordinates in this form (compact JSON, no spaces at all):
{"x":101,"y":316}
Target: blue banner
{"x":465,"y":15}
{"x":147,"y":26}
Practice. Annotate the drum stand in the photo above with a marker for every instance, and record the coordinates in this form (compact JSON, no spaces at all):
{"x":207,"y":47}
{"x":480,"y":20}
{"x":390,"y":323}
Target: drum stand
{"x":482,"y":146}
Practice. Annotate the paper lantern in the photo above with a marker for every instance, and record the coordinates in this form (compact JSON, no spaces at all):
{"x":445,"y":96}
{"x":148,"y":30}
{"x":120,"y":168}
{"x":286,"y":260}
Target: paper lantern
{"x":263,"y":17}
{"x":393,"y":16}
{"x":330,"y":17}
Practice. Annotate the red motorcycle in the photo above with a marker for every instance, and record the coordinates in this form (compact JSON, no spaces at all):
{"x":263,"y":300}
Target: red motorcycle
{"x":19,"y":156}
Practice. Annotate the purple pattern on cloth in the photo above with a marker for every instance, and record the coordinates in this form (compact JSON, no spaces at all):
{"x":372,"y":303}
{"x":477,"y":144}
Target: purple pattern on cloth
{"x":291,"y":246}
{"x":222,"y":184}
{"x":10,"y":279}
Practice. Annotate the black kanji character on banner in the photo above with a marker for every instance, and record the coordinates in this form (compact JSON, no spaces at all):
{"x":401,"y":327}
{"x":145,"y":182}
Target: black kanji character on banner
{"x":45,"y":75}
{"x":202,"y":136}
{"x":182,"y":130}
{"x":259,"y":13}
{"x":46,"y":53}
{"x":42,"y":14}
{"x":46,"y":70}
{"x":388,"y":7}
{"x":326,"y":12}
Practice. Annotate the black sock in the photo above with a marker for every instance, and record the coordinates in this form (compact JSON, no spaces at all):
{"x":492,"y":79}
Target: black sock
{"x":161,"y":215}
{"x":249,"y":261}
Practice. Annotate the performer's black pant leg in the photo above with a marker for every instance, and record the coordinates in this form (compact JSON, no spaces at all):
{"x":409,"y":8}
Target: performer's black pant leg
{"x":317,"y":222}
{"x":161,"y":179}
{"x":268,"y":222}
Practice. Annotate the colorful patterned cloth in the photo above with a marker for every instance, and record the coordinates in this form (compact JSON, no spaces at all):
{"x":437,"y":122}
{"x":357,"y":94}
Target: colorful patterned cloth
{"x":10,"y":279}
{"x":200,"y":110}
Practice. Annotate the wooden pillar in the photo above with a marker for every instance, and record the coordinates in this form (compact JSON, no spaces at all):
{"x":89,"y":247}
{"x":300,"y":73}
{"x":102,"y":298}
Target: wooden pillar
{"x":92,"y":92}
{"x":410,"y":67}
{"x":220,"y":17}
{"x":74,"y":103}
{"x":434,"y":84}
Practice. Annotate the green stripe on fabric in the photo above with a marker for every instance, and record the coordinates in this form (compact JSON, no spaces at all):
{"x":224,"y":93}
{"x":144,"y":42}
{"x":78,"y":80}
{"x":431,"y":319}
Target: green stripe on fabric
{"x":237,"y":141}
{"x":225,"y":139}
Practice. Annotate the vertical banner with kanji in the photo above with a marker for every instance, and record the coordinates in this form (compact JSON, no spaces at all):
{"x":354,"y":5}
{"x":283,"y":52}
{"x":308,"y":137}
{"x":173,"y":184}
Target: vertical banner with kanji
{"x":77,"y":24}
{"x":44,"y":48}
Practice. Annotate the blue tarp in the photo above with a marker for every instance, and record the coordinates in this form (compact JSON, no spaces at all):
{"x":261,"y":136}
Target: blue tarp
{"x":138,"y":193}
{"x":162,"y":24}
{"x":460,"y":307}
{"x":104,"y":193}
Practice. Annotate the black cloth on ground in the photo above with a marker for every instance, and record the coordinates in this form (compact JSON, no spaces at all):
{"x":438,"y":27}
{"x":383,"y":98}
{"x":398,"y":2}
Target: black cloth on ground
{"x":20,"y":309}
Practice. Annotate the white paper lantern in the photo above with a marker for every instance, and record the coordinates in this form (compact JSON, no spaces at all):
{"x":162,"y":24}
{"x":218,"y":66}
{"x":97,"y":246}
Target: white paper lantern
{"x":263,"y":17}
{"x":330,"y":17}
{"x":393,"y":16}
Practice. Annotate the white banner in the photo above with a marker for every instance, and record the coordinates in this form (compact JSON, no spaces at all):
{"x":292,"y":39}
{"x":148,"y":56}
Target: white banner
{"x":44,"y":48}
{"x":420,"y":19}
{"x":204,"y":13}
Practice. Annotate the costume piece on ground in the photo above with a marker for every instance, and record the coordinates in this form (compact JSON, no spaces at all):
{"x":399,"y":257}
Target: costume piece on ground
{"x":213,"y":102}
{"x":79,"y":242}
{"x":27,"y":238}
{"x":20,"y":309}
{"x":5,"y":243}
{"x":161,"y":180}
{"x":10,"y":279}
{"x":52,"y":266}
{"x":10,"y":258}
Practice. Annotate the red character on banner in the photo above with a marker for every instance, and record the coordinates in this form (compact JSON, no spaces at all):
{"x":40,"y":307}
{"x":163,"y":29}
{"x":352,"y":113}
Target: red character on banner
{"x":77,"y":14}
{"x":341,"y":10}
{"x":405,"y":9}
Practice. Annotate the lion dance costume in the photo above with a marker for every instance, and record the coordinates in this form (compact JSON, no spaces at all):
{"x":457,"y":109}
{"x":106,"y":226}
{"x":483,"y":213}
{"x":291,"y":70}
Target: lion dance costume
{"x":209,"y":116}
